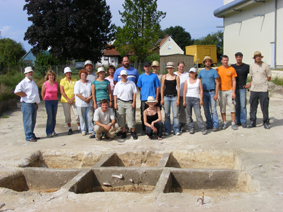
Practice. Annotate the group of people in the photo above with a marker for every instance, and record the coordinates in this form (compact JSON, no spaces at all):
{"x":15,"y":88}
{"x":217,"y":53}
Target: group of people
{"x":104,"y":105}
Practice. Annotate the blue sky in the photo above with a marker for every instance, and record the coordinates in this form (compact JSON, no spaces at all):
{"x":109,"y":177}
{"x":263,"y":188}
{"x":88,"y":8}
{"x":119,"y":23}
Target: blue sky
{"x":196,"y":16}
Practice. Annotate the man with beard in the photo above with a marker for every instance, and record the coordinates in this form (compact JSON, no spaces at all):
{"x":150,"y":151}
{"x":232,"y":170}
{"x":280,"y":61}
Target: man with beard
{"x":28,"y":91}
{"x":210,"y":83}
{"x":133,"y":74}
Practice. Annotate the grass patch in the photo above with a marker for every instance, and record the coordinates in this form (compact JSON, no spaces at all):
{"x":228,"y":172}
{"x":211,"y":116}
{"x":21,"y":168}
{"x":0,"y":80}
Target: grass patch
{"x":277,"y":81}
{"x":5,"y":117}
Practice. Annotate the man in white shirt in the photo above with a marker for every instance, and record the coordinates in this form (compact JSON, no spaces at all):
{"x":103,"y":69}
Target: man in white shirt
{"x":125,"y":103}
{"x":28,"y":91}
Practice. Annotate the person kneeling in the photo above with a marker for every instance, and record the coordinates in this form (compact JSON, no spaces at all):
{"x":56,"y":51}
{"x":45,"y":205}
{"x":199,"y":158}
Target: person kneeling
{"x":105,"y":121}
{"x":152,"y":119}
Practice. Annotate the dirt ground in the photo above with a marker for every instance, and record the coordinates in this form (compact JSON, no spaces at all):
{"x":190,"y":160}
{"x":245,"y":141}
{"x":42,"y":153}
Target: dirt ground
{"x":260,"y":152}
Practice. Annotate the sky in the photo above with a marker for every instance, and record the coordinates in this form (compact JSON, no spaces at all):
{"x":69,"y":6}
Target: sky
{"x":195,"y":16}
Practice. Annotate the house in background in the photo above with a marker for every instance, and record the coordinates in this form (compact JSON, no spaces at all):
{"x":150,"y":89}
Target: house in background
{"x":29,"y":58}
{"x":253,"y":25}
{"x":169,"y":47}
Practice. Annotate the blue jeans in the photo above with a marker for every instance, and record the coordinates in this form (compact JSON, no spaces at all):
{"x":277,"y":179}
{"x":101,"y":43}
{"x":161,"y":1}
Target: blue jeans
{"x":51,"y":110}
{"x":209,"y":105}
{"x":192,"y":102}
{"x":171,"y":102}
{"x":29,"y":119}
{"x":85,"y":119}
{"x":241,"y":102}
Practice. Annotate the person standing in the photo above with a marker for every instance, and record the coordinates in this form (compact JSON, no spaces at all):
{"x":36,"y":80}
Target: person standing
{"x":67,"y":85}
{"x":125,"y":101}
{"x":260,"y":74}
{"x":183,"y":75}
{"x":155,"y":67}
{"x":49,"y":92}
{"x":111,"y":71}
{"x":170,"y":96}
{"x":133,"y":74}
{"x":91,"y":76}
{"x":149,"y":85}
{"x":227,"y":75}
{"x":83,"y":100}
{"x":242,"y":70}
{"x":210,"y":83}
{"x":193,"y":95}
{"x":28,"y":91}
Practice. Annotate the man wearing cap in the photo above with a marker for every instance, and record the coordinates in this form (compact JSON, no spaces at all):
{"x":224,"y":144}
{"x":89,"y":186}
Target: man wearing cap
{"x":133,"y":74}
{"x":242,"y":70}
{"x":155,"y":67}
{"x":125,"y":103}
{"x":149,"y":85}
{"x":260,"y":74}
{"x":89,"y":68}
{"x":28,"y":91}
{"x":210,"y":83}
{"x":227,"y":75}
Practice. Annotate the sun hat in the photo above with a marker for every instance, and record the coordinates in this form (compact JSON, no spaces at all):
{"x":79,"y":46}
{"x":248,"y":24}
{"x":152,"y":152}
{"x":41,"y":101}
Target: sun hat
{"x":151,"y":99}
{"x":28,"y":69}
{"x":123,"y":72}
{"x":239,"y":54}
{"x":155,"y":63}
{"x":170,"y":65}
{"x":88,"y":62}
{"x":146,"y":64}
{"x":257,"y":53}
{"x":67,"y":70}
{"x":100,"y":69}
{"x":193,"y":70}
{"x":207,"y":58}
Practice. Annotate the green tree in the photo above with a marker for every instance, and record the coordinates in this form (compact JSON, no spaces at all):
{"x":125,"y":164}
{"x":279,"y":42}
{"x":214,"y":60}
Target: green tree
{"x":180,"y":36}
{"x":43,"y":62}
{"x":212,"y":39}
{"x":10,"y":53}
{"x":72,"y":28}
{"x":141,"y":28}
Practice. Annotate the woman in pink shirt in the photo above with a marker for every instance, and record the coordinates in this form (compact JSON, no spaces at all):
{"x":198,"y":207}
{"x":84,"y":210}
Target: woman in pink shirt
{"x":49,"y":92}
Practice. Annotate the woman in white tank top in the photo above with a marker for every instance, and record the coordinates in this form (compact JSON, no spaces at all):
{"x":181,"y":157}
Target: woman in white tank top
{"x":193,"y":93}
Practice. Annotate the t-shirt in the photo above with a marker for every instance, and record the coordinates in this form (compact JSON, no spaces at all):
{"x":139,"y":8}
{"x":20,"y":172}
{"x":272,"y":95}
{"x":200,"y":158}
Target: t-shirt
{"x":148,"y":84}
{"x":259,"y":74}
{"x":103,"y":118}
{"x":91,"y":77}
{"x":31,"y":90}
{"x":225,"y":77}
{"x":85,"y":90}
{"x":208,"y":78}
{"x":125,"y":91}
{"x":242,"y":73}
{"x":68,"y":89}
{"x":133,"y":74}
{"x":101,"y":90}
{"x":183,"y":77}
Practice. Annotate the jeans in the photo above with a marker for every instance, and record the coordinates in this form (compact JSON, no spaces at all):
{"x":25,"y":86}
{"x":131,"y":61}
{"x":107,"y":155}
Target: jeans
{"x":182,"y":112}
{"x":85,"y":119}
{"x":171,"y":102}
{"x":51,"y":110}
{"x":29,"y":119}
{"x":241,"y":110}
{"x":143,"y":107}
{"x":192,"y":102}
{"x":264,"y":102}
{"x":209,"y":105}
{"x":158,"y":126}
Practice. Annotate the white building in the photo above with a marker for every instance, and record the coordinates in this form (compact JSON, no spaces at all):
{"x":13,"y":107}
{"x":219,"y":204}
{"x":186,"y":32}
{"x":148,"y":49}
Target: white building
{"x":169,"y":47}
{"x":253,"y":25}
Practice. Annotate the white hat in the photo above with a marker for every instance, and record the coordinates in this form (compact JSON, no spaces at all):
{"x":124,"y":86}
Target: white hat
{"x":170,"y":65}
{"x":123,"y":72}
{"x":28,"y":69}
{"x":67,"y":70}
{"x":151,"y":99}
{"x":193,"y":70}
{"x":100,"y":69}
{"x":88,"y":62}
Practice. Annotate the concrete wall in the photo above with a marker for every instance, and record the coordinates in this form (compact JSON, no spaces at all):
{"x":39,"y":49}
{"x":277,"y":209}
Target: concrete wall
{"x":170,"y":47}
{"x":248,"y":33}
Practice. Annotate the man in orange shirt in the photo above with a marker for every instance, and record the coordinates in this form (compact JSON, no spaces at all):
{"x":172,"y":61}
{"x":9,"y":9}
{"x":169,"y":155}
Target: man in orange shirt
{"x":227,"y":75}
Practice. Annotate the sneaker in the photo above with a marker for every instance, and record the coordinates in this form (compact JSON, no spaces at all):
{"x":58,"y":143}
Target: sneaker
{"x":178,"y":133}
{"x":54,"y":134}
{"x":134,"y":135}
{"x":234,"y":127}
{"x":84,"y":133}
{"x":266,"y":125}
{"x":224,"y":126}
{"x":251,"y":125}
{"x":124,"y":135}
{"x":204,"y":132}
{"x":49,"y":136}
{"x":208,"y":128}
{"x":166,"y":134}
{"x":79,"y":128}
{"x":191,"y":131}
{"x":70,"y":132}
{"x":215,"y":129}
{"x":92,"y":136}
{"x":182,"y":127}
{"x":238,"y":123}
{"x":119,"y":133}
{"x":244,"y":125}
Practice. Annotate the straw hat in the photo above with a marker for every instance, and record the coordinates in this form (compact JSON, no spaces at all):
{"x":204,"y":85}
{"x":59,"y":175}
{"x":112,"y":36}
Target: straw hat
{"x":151,"y":99}
{"x":257,"y":53}
{"x":207,"y":58}
{"x":170,"y":65}
{"x":155,"y":63}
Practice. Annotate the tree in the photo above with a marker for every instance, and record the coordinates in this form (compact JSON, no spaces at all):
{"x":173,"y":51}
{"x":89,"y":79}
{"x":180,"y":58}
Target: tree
{"x":212,"y":39}
{"x":141,"y":29}
{"x":10,"y":53}
{"x":180,"y":36}
{"x":44,"y":60}
{"x":72,"y":28}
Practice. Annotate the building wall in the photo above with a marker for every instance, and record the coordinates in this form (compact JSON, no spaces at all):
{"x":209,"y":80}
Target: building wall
{"x":170,"y":47}
{"x":254,"y":33}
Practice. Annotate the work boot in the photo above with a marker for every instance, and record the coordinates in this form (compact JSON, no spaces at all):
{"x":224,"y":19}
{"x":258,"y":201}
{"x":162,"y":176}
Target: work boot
{"x":134,"y":135}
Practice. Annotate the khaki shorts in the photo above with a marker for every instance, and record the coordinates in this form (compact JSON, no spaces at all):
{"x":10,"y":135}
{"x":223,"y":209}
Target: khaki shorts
{"x":226,"y":97}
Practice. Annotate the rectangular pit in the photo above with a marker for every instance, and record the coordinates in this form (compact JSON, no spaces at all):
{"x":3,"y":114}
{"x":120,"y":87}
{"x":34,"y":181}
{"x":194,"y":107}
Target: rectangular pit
{"x":133,"y":159}
{"x":134,"y":180}
{"x":205,"y":159}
